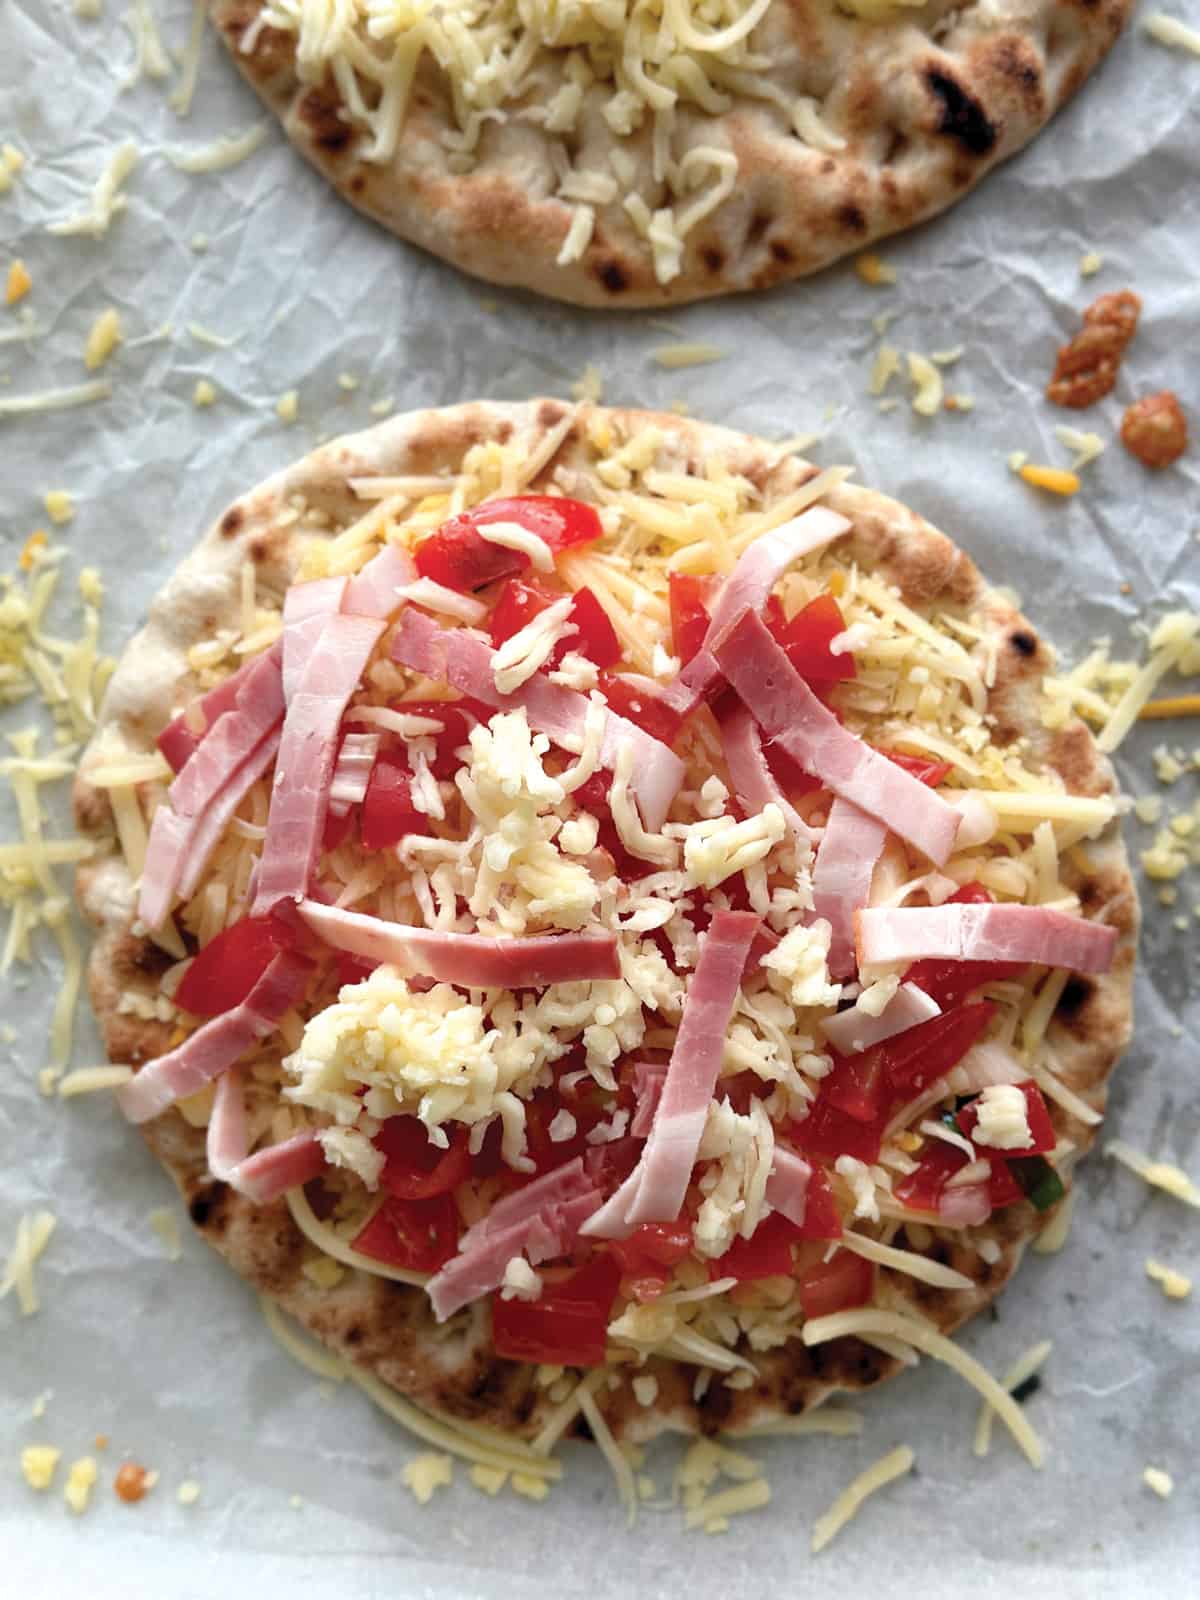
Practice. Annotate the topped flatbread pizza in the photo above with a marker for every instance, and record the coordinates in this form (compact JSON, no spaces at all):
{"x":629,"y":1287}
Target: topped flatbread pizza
{"x":604,"y":928}
{"x":626,"y":154}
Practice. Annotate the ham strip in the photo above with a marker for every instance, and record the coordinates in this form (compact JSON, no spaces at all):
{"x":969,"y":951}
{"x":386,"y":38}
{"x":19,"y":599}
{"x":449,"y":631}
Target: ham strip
{"x":648,"y":1080}
{"x":265,"y":1175}
{"x":372,"y":592}
{"x":853,"y":1031}
{"x":305,"y":608}
{"x":850,"y":846}
{"x":257,"y":709}
{"x":352,"y":773}
{"x":790,"y":714}
{"x":464,"y":660}
{"x":984,"y":933}
{"x":787,"y":1186}
{"x":655,"y":1189}
{"x":226,"y":1142}
{"x":471,"y":960}
{"x":754,"y":784}
{"x":203,"y":839}
{"x":540,"y":1221}
{"x":178,"y":741}
{"x":304,"y":766}
{"x":749,"y":585}
{"x":213,"y":1048}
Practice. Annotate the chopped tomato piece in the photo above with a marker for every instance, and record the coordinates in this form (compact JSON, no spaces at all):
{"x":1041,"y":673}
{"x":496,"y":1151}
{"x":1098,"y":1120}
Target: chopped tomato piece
{"x":821,"y":1220}
{"x":350,"y":969}
{"x":647,"y":1256}
{"x":387,"y":811}
{"x":229,"y":966}
{"x":928,"y":772}
{"x":789,"y":774}
{"x":567,"y":1325}
{"x":1036,"y":1114}
{"x":807,"y":637}
{"x":767,"y":1253}
{"x":595,"y":637}
{"x":1003,"y":1188}
{"x":608,"y":1165}
{"x":923,"y":1188}
{"x":337,"y":829}
{"x":540,"y":1111}
{"x":592,"y":797}
{"x":650,"y":714}
{"x":858,"y":1086}
{"x":835,"y":1285}
{"x":414,"y":1168}
{"x":830,"y":1133}
{"x":458,"y":557}
{"x":521,"y":599}
{"x":419,"y":1235}
{"x":689,"y":598}
{"x":949,"y":982}
{"x":916,"y":1057}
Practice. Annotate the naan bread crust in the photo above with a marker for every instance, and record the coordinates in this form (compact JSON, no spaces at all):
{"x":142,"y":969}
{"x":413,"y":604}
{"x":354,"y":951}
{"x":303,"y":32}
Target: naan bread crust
{"x":926,"y":102}
{"x":387,"y":1327}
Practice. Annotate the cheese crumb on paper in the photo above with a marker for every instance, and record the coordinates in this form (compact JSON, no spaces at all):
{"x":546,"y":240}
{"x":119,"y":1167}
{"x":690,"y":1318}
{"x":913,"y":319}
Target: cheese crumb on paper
{"x":39,"y":1463}
{"x":1159,"y":1481}
{"x":81,"y":1480}
{"x":426,"y":1474}
{"x":1175,"y":1285}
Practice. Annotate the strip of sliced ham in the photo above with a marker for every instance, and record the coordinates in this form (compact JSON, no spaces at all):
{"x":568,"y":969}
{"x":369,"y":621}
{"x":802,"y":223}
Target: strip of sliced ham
{"x":749,"y":585}
{"x":257,"y":709}
{"x":304,"y":766}
{"x":754,"y":784}
{"x":208,"y":1052}
{"x":352,"y":773}
{"x":372,"y":591}
{"x":655,"y":1189}
{"x":178,"y":739}
{"x":226,"y":1141}
{"x":850,"y":846}
{"x":204,"y":837}
{"x":787,"y":1186}
{"x":984,"y":933}
{"x":269,"y":1172}
{"x":648,"y":1080}
{"x":471,"y":960}
{"x":790,"y":714}
{"x":305,"y":608}
{"x":540,"y":1221}
{"x":853,"y":1030}
{"x":464,"y":660}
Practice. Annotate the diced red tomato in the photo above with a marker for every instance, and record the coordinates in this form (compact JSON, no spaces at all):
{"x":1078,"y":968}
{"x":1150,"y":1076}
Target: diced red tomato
{"x":928,"y":772}
{"x":567,"y":1325}
{"x":649,"y":713}
{"x":789,"y":774}
{"x":647,"y":1256}
{"x":595,"y":637}
{"x":858,"y":1086}
{"x":923,"y":1188}
{"x":1003,"y":1188}
{"x":807,"y":637}
{"x":352,"y":970}
{"x":1036,"y":1114}
{"x":229,"y":966}
{"x":457,"y":717}
{"x":767,"y":1253}
{"x":540,"y":1111}
{"x":949,"y":982}
{"x":916,"y":1057}
{"x":689,"y":597}
{"x":821,"y":1220}
{"x":459,"y":558}
{"x":337,"y":829}
{"x":419,"y":1235}
{"x":971,"y":894}
{"x":592,"y":797}
{"x":387,"y":811}
{"x":414,"y":1169}
{"x":835,"y":1285}
{"x":830,"y":1133}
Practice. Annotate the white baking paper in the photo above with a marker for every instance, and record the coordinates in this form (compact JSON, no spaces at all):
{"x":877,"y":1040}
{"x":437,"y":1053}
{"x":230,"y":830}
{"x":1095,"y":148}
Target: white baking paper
{"x":171,"y":1360}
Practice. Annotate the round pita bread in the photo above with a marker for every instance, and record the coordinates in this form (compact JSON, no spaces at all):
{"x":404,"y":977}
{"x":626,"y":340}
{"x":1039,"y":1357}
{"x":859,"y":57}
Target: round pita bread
{"x":899,"y":115}
{"x":388,"y":1327}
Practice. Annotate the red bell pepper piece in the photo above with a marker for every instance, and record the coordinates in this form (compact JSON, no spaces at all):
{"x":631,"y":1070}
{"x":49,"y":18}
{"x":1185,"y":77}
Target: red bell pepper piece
{"x":835,"y":1285}
{"x":1003,"y":1188}
{"x":337,"y":829}
{"x":767,"y":1253}
{"x":1036,"y":1114}
{"x":649,"y":713}
{"x":821,"y":1220}
{"x":592,"y":797}
{"x":229,"y":966}
{"x":350,"y":969}
{"x":689,"y":597}
{"x":928,"y":772}
{"x":916,"y":1057}
{"x":387,"y":810}
{"x":649,"y":1253}
{"x":567,"y":1326}
{"x":949,"y":982}
{"x":922,"y":1189}
{"x":458,"y":557}
{"x":858,"y":1085}
{"x":457,"y":717}
{"x":419,"y":1235}
{"x":807,"y":637}
{"x":414,"y":1169}
{"x":595,"y":637}
{"x":830,"y":1133}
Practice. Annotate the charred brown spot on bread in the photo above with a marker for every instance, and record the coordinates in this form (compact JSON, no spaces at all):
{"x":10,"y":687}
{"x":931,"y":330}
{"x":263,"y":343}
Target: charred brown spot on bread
{"x":714,"y":258}
{"x":1023,"y":642}
{"x":208,"y":1207}
{"x":1076,"y":994}
{"x":1013,"y":60}
{"x":850,"y":216}
{"x":358,"y":183}
{"x":322,"y":112}
{"x":960,"y":115}
{"x":1072,"y":754}
{"x":713,"y":1408}
{"x":757,"y":230}
{"x":613,"y":276}
{"x":231,"y":522}
{"x":550,"y":413}
{"x":783,"y":253}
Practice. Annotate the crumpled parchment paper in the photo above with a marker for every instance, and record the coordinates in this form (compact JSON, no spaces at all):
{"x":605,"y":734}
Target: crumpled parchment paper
{"x":172,"y":1360}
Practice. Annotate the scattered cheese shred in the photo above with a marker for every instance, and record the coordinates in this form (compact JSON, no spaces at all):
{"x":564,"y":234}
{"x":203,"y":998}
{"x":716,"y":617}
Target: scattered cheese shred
{"x":1055,"y":480}
{"x":222,"y":153}
{"x":80,"y":394}
{"x":204,"y":394}
{"x":332,"y":1244}
{"x":1173,"y":639}
{"x":181,"y":99}
{"x":424,"y":1475}
{"x":166,"y":1225}
{"x":1024,"y":1367}
{"x":1090,"y":264}
{"x":1170,"y":31}
{"x":81,"y":1480}
{"x":927,"y":382}
{"x":33,"y":1235}
{"x":675,"y":356}
{"x":106,"y":200}
{"x":732,"y":1502}
{"x":39,"y":1463}
{"x":18,"y":283}
{"x":886,"y":1470}
{"x":907,"y":1261}
{"x":1161,"y":1174}
{"x":59,"y":506}
{"x":188,"y":1492}
{"x":90,"y":1080}
{"x":833,"y":1420}
{"x":1175,"y":1285}
{"x":287,"y":407}
{"x":1087,"y":446}
{"x":892,"y":1324}
{"x":611,"y":1451}
{"x":1159,"y":1481}
{"x":1054,"y":1235}
{"x":872,"y":269}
